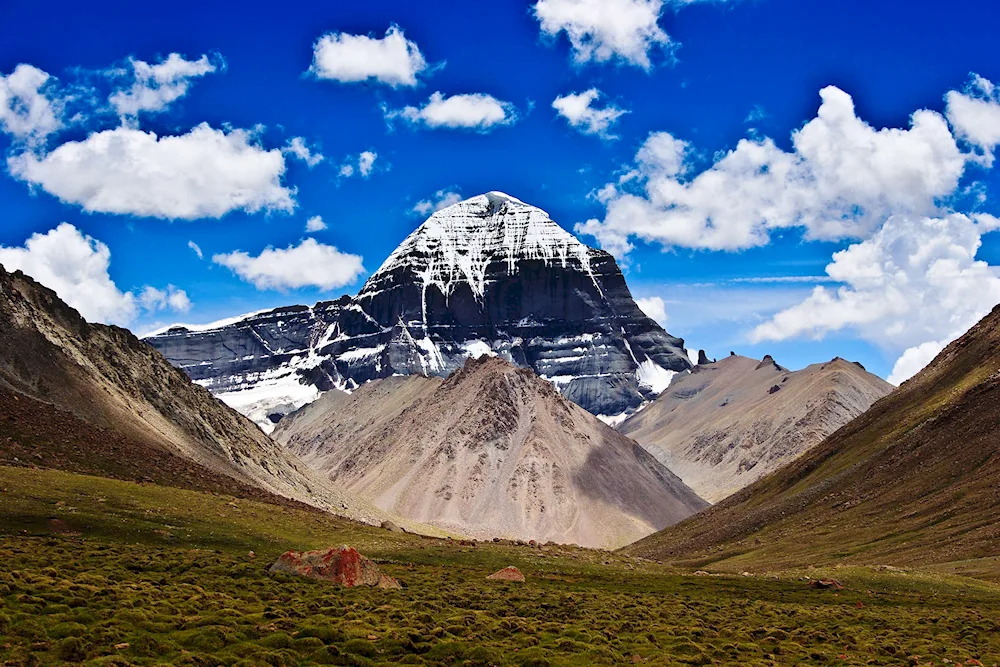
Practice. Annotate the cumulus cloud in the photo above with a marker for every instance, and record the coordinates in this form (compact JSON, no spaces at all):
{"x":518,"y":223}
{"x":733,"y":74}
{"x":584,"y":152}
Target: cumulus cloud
{"x":297,"y":148}
{"x":75,"y":266}
{"x":155,"y":87}
{"x":914,"y":286}
{"x":624,"y":31}
{"x":363,"y":165}
{"x":315,"y":224}
{"x":309,"y":264}
{"x":654,"y":308}
{"x":205,"y":173}
{"x":26,"y":112}
{"x":392,"y":60}
{"x":579,"y":111}
{"x":975,"y":115}
{"x":441,"y":199}
{"x":171,"y":298}
{"x":197,"y":249}
{"x":913,"y":360}
{"x":841,"y":180}
{"x":472,"y":111}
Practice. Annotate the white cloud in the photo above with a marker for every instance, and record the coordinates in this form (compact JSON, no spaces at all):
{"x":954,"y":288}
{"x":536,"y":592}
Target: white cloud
{"x":915,"y":280}
{"x":171,"y":298}
{"x":473,"y":111}
{"x":297,"y":148}
{"x":315,"y":224}
{"x":154,"y":87}
{"x":76,"y":268}
{"x":654,"y":308}
{"x":913,"y":360}
{"x":366,"y":161}
{"x":392,"y":60}
{"x":205,"y":173}
{"x":364,"y":164}
{"x":975,"y":115}
{"x":26,"y":112}
{"x":579,"y":111}
{"x":309,"y":264}
{"x":441,"y":199}
{"x":841,"y":180}
{"x":625,"y":31}
{"x":197,"y":249}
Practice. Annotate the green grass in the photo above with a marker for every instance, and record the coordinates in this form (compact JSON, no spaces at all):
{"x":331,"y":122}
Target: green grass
{"x":164,"y":576}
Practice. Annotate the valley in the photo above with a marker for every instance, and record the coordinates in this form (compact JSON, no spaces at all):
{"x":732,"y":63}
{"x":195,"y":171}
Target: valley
{"x":144,"y":574}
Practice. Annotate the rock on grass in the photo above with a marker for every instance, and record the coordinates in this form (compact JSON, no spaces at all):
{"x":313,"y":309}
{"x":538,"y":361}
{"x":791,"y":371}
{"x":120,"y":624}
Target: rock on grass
{"x":344,"y":566}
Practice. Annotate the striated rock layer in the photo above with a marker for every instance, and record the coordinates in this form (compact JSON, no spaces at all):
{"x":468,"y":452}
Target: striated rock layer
{"x":731,"y":422}
{"x":490,"y":275}
{"x":492,"y":451}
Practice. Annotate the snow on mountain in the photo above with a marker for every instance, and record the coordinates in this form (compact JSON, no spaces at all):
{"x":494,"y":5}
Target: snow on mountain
{"x":490,"y":275}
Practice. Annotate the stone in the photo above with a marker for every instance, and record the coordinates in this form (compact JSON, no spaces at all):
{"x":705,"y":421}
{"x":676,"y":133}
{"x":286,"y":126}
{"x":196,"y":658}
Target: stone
{"x":392,"y":527}
{"x":826,"y":584}
{"x":509,"y":573}
{"x":344,"y":566}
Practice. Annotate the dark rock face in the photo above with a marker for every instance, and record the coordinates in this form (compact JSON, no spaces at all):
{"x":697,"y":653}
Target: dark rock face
{"x":489,"y":275}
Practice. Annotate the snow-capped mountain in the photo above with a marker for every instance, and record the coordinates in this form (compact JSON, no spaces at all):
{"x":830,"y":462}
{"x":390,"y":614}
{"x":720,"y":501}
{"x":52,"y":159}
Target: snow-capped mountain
{"x":489,"y":275}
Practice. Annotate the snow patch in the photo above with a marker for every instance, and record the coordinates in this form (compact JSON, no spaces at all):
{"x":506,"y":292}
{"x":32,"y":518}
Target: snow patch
{"x":655,"y":377}
{"x":218,"y":324}
{"x":478,"y":348}
{"x":613,"y":420}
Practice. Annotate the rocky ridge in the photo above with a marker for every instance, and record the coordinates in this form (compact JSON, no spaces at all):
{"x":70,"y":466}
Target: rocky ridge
{"x":731,"y":422}
{"x":912,"y":481}
{"x":107,"y":378}
{"x":492,"y":451}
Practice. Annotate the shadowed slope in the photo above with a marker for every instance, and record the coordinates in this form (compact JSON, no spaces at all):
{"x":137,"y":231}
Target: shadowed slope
{"x":914,"y":480}
{"x":491,"y":451}
{"x":109,"y":379}
{"x":731,"y":422}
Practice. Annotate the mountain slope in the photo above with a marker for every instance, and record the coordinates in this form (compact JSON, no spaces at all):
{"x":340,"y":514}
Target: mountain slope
{"x":488,"y":275}
{"x":731,"y":422}
{"x":491,"y":451}
{"x":108,"y":379}
{"x":914,"y":480}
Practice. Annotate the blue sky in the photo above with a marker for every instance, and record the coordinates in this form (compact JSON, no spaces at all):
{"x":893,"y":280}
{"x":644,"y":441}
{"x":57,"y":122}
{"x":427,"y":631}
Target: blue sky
{"x":750,"y":69}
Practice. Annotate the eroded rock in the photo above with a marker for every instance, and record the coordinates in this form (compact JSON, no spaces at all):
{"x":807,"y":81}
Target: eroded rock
{"x":344,"y":566}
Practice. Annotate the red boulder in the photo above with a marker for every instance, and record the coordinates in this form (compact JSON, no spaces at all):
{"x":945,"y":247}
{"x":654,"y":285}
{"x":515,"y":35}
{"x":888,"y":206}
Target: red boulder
{"x":344,"y":566}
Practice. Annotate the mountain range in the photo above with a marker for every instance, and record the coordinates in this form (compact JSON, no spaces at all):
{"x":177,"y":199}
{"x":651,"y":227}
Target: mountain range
{"x":730,"y":422}
{"x":912,"y":481}
{"x":491,"y":451}
{"x":488,"y":275}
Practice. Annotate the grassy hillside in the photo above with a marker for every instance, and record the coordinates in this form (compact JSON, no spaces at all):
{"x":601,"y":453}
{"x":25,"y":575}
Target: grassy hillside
{"x":913,"y":481}
{"x":118,"y":572}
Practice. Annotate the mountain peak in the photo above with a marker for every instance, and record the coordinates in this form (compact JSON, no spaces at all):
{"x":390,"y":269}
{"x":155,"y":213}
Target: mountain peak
{"x":493,"y":450}
{"x":490,"y":275}
{"x":458,"y":243}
